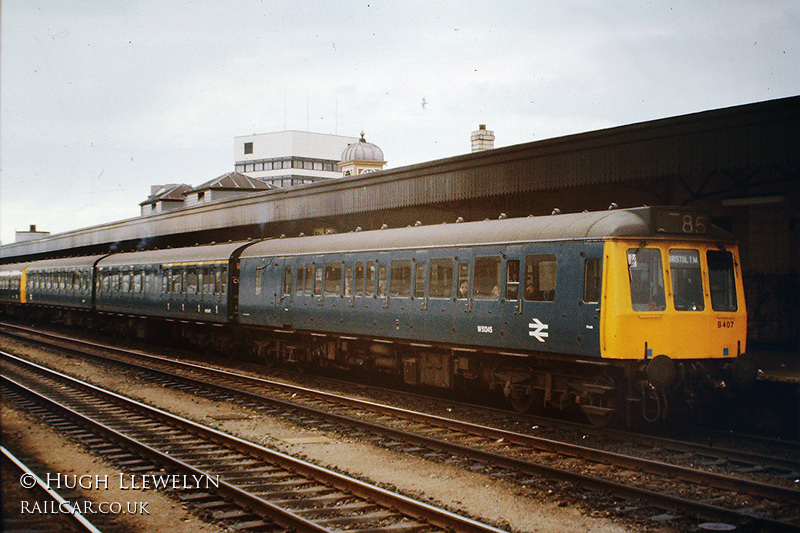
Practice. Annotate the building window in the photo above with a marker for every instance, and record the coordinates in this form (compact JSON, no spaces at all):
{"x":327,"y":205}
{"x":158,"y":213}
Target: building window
{"x":248,"y":148}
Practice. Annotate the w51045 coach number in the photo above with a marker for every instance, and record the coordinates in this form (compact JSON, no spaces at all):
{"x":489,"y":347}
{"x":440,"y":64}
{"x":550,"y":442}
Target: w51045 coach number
{"x":724,"y":324}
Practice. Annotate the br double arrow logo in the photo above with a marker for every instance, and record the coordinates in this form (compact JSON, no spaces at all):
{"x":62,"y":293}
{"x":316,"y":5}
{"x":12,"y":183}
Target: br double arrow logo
{"x":538,"y":330}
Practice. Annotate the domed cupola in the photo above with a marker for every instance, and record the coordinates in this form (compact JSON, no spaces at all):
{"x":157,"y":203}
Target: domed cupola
{"x":361,"y":157}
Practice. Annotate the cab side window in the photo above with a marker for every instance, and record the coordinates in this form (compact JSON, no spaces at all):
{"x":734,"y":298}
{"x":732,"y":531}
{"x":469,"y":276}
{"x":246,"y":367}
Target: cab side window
{"x":647,"y":279}
{"x":591,"y":280}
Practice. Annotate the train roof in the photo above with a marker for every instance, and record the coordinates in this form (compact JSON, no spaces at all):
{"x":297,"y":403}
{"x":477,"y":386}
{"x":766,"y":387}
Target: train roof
{"x":647,"y":222}
{"x":65,"y":262}
{"x":14,"y":267}
{"x":194,"y":254}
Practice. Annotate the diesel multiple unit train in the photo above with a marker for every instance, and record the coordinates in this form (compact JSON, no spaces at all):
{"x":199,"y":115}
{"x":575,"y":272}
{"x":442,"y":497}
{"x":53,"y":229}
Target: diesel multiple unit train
{"x":608,"y":312}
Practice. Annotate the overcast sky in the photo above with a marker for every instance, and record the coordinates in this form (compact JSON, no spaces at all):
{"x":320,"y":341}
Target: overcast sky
{"x":101,"y":99}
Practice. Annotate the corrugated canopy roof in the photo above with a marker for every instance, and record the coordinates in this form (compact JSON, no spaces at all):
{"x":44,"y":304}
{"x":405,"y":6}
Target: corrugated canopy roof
{"x":232,"y":181}
{"x":168,"y":193}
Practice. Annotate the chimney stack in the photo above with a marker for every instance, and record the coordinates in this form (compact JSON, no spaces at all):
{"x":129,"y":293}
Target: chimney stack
{"x":482,"y":139}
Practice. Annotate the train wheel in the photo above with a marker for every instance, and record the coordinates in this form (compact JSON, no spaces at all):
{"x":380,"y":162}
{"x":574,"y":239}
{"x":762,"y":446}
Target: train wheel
{"x":605,"y":402}
{"x":524,"y":403}
{"x":268,"y":354}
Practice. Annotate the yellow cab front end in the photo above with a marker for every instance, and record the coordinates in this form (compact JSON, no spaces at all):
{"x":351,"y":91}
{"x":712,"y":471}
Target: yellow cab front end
{"x":673,"y":314}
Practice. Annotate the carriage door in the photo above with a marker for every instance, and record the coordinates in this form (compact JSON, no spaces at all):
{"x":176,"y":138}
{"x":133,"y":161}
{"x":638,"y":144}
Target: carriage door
{"x":464,"y":302}
{"x":514,"y":329}
{"x":286,"y":291}
{"x":438,"y":307}
{"x":486,"y":312}
{"x":419,"y":294}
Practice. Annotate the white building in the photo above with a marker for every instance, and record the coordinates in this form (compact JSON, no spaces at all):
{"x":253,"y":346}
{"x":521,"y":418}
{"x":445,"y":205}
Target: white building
{"x":287,"y":158}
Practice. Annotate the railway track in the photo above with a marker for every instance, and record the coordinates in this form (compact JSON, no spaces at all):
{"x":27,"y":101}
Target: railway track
{"x":508,"y":453}
{"x":249,"y":487}
{"x":31,"y":505}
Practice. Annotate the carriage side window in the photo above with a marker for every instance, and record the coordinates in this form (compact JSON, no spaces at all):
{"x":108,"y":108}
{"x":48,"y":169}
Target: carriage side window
{"x":540,"y":277}
{"x":222,"y":279}
{"x":419,"y":282}
{"x":348,"y":280}
{"x":318,"y":281}
{"x":287,"y":281}
{"x":126,"y":281}
{"x":298,"y":285}
{"x":177,"y":280}
{"x":721,"y":278}
{"x":213,"y":273}
{"x":137,"y":280}
{"x":647,"y":279}
{"x":512,"y":280}
{"x":191,"y":280}
{"x":441,"y":278}
{"x":486,"y":285}
{"x":359,"y":278}
{"x":165,"y":277}
{"x":463,"y":281}
{"x":205,"y":281}
{"x":309,"y":287}
{"x":382,"y":280}
{"x":150,"y":279}
{"x":400,"y":278}
{"x":370,"y":290}
{"x":687,"y":280}
{"x":591,"y":280}
{"x":259,"y":275}
{"x":333,"y":279}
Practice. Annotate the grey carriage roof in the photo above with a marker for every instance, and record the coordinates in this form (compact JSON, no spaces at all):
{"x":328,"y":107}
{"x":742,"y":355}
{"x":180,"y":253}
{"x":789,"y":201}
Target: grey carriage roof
{"x":596,"y":225}
{"x":86,"y":261}
{"x":194,"y":254}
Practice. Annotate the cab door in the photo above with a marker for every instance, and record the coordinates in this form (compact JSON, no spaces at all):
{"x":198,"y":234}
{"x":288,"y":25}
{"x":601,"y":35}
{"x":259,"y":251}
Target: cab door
{"x":587,"y":315}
